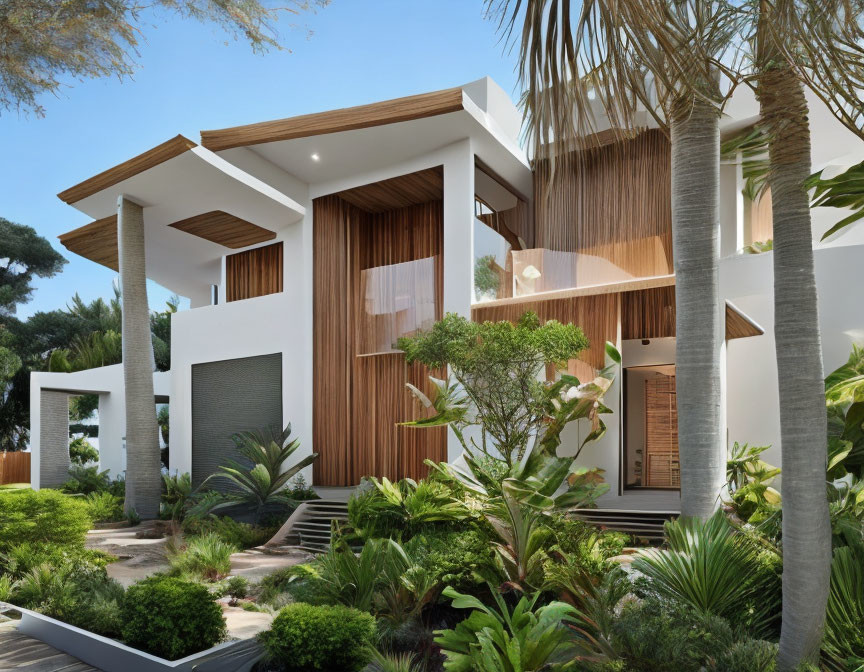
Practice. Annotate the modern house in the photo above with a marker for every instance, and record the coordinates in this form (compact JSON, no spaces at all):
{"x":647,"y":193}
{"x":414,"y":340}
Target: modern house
{"x":307,"y":245}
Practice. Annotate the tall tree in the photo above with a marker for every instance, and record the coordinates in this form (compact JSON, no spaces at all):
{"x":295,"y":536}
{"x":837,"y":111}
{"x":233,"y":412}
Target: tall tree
{"x":44,"y":42}
{"x":24,"y":254}
{"x":798,"y":43}
{"x":604,"y":55}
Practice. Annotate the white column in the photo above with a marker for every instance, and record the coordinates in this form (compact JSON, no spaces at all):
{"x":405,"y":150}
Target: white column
{"x":458,"y":243}
{"x":459,"y":228}
{"x":112,"y":428}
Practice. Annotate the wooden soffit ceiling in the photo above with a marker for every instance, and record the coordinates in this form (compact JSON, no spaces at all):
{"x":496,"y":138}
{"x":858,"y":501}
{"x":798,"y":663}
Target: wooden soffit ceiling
{"x":96,"y":241}
{"x":398,"y":192}
{"x":138,"y":164}
{"x":739,"y":325}
{"x":335,"y":121}
{"x":224,"y":229}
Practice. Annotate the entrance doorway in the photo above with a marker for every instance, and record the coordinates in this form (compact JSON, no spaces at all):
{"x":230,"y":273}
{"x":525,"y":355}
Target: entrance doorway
{"x":651,"y":428}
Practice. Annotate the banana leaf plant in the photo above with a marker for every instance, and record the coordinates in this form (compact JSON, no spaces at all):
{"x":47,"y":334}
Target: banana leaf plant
{"x":842,"y":191}
{"x":261,"y":479}
{"x":844,"y":398}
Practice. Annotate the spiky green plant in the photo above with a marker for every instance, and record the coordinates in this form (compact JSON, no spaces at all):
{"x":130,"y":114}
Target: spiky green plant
{"x":206,"y":557}
{"x":844,"y":618}
{"x":265,"y":482}
{"x":716,"y":570}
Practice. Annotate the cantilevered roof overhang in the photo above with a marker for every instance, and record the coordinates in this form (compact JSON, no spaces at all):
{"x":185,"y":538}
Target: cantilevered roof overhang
{"x":197,"y":207}
{"x":350,"y":143}
{"x":738,"y":324}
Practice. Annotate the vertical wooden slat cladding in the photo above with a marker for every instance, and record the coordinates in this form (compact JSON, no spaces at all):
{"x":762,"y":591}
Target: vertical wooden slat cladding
{"x":611,"y":202}
{"x":358,"y":400}
{"x":597,"y":315}
{"x":253,"y":273}
{"x":648,"y":313}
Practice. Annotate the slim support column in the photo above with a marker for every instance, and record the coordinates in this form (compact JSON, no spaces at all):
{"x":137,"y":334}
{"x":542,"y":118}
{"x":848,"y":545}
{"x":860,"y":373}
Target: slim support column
{"x":143,"y":477}
{"x":53,"y":438}
{"x":458,"y":244}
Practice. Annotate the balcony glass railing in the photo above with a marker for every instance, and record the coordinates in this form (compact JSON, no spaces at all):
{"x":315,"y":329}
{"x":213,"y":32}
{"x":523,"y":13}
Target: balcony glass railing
{"x":394,"y":301}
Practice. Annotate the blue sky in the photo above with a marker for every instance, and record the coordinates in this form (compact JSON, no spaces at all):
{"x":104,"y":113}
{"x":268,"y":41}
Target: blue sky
{"x":189,"y":79}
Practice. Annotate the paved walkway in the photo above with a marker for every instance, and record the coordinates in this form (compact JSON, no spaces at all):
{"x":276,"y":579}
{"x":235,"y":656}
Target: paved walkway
{"x":24,"y":654}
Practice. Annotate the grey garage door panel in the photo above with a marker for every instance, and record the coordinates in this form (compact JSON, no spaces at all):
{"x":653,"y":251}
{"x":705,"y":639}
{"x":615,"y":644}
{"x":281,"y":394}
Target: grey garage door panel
{"x":231,"y":396}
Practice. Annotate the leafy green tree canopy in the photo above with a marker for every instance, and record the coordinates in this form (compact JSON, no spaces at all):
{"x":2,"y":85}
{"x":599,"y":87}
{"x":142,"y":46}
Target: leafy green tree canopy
{"x":42,"y":42}
{"x":23,"y":255}
{"x":498,"y":366}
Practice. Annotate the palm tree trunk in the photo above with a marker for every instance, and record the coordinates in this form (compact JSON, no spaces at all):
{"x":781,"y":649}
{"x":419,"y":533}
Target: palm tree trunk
{"x":803,"y":433}
{"x":695,"y":131}
{"x":143,"y":478}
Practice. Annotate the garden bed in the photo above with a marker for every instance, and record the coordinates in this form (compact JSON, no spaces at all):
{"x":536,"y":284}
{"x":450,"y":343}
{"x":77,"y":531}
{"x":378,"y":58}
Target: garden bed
{"x":112,"y":656}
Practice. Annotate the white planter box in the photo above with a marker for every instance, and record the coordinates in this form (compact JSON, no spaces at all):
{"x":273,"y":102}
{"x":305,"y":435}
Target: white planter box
{"x":112,"y":656}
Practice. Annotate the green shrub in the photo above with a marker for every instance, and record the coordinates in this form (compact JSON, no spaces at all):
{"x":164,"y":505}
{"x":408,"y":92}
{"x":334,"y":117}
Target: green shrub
{"x":455,"y":557}
{"x":749,"y":655}
{"x":171,"y":618}
{"x":242,"y":535}
{"x":304,"y":637}
{"x":84,"y":480}
{"x":302,"y":582}
{"x":105,"y":507}
{"x":42,"y":517}
{"x":81,"y":451}
{"x":19,"y":559}
{"x":81,"y":595}
{"x":237,"y":587}
{"x":652,"y":636}
{"x":206,"y":557}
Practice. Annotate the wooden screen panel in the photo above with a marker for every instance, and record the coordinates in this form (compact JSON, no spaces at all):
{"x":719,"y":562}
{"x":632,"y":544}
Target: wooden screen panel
{"x":648,"y":313}
{"x":254,"y":273}
{"x":613,"y":202}
{"x":597,"y":315}
{"x":14,"y":468}
{"x":661,"y":433}
{"x":359,"y":400}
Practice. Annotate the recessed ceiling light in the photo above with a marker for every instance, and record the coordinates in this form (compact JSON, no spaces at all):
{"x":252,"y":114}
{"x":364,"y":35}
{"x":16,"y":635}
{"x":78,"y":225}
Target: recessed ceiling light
{"x":315,"y":156}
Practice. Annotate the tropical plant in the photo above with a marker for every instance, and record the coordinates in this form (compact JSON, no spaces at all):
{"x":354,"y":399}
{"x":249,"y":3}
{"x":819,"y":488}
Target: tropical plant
{"x":105,"y":507}
{"x":264,"y":484}
{"x":403,"y":508}
{"x":176,"y":491}
{"x":715,"y":570}
{"x":523,"y":538}
{"x":206,"y":557}
{"x":844,"y":618}
{"x":81,"y":451}
{"x":527,"y":638}
{"x":496,"y":366}
{"x":846,"y":506}
{"x":84,"y":480}
{"x":748,"y":479}
{"x":844,"y":397}
{"x":304,"y":637}
{"x":841,"y":191}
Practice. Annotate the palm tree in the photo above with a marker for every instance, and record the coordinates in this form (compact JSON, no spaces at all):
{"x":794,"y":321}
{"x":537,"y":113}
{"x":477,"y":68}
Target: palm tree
{"x":143,"y":477}
{"x":608,"y":55}
{"x":781,"y":39}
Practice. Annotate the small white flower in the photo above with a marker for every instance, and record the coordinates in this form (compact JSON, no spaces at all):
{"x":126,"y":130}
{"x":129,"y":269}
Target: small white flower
{"x":572,"y":393}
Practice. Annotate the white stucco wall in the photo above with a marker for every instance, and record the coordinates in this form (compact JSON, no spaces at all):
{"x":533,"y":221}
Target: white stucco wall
{"x":107,"y":382}
{"x":260,"y":326}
